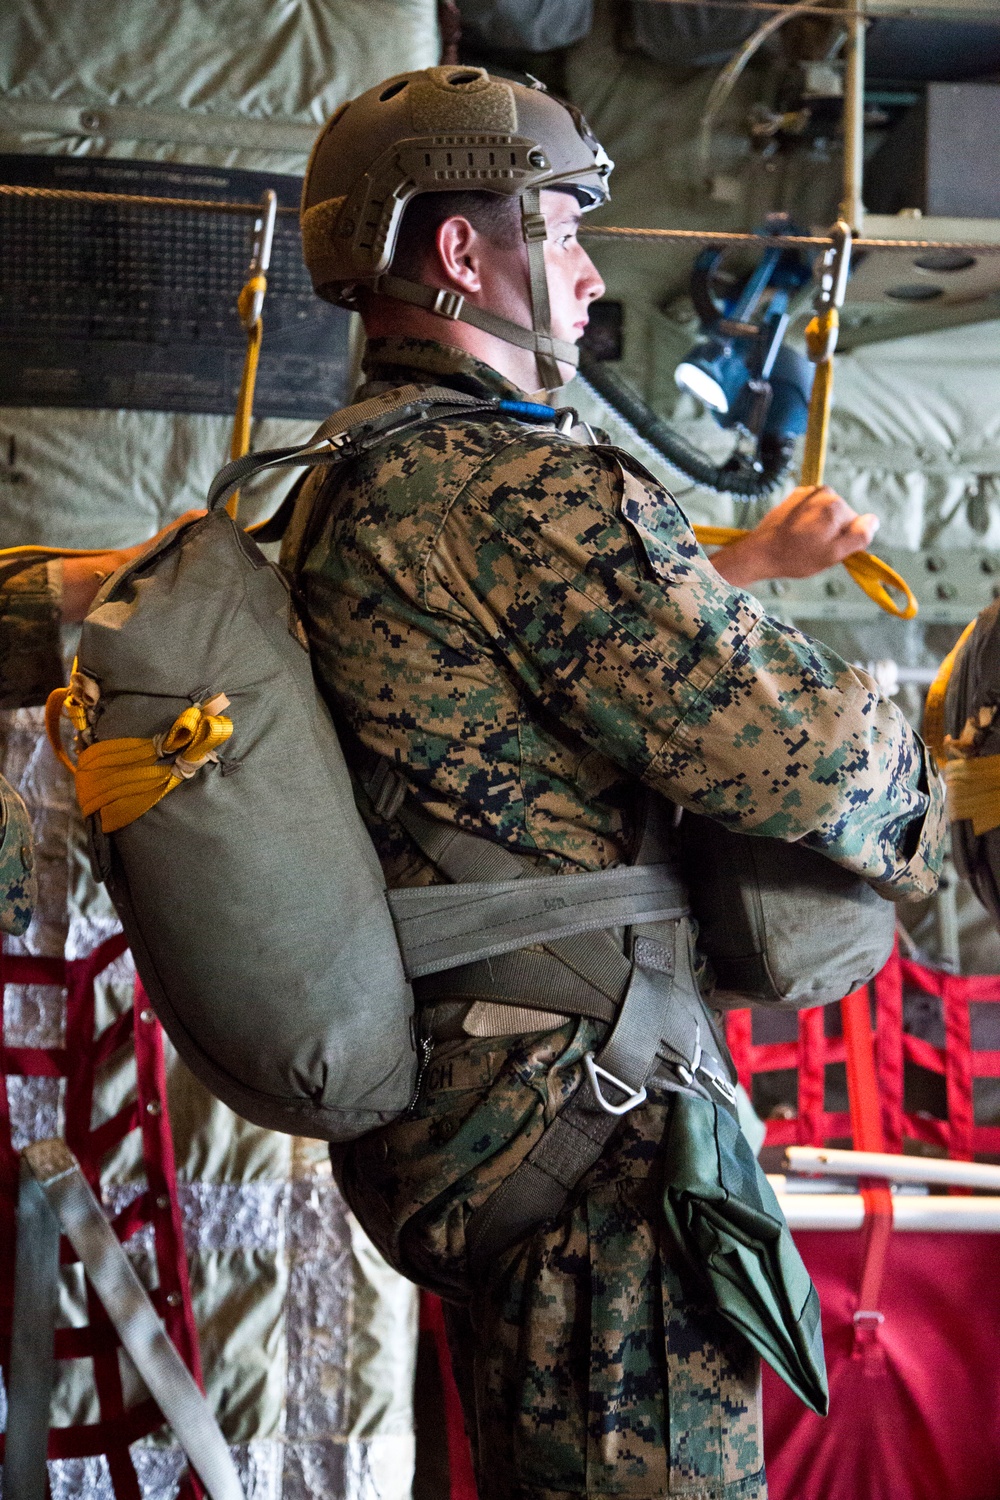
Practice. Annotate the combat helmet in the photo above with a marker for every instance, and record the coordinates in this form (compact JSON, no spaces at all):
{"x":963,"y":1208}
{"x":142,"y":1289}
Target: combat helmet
{"x":444,"y":129}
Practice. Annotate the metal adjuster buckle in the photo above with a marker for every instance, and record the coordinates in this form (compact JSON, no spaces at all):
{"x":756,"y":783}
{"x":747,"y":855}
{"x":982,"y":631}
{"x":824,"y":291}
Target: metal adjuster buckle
{"x":448,"y":304}
{"x":594,"y":1071}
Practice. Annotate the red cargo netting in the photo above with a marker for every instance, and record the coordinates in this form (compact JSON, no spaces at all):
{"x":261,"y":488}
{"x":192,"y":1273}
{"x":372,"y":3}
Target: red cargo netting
{"x":77,"y":1061}
{"x":909,"y":1319}
{"x":964,"y":1014}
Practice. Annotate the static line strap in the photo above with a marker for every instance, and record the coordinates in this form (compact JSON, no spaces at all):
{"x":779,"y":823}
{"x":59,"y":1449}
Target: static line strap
{"x":933,"y":725}
{"x":872,"y":576}
{"x":127,"y":1303}
{"x":250,"y":297}
{"x":600,"y":232}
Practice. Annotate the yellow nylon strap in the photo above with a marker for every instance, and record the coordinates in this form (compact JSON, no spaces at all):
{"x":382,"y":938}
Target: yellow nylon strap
{"x":122,"y":779}
{"x":821,"y":340}
{"x":244,"y":402}
{"x":974,"y":791}
{"x":933,"y":725}
{"x":873,"y":576}
{"x":72,"y":703}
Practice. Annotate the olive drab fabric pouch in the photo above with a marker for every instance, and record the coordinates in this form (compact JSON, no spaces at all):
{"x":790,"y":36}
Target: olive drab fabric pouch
{"x":18,"y":884}
{"x":781,"y":924}
{"x":725,"y":1221}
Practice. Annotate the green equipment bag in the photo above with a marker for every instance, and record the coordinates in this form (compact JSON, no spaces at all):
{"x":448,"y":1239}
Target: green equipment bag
{"x":222,"y":817}
{"x":722,"y":1215}
{"x":781,"y":924}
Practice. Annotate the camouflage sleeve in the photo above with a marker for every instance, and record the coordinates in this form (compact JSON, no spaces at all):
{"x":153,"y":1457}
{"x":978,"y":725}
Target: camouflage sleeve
{"x":30,"y":613}
{"x":584,"y":573}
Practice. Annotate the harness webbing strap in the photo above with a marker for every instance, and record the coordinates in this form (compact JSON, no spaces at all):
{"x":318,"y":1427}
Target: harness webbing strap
{"x":537,"y":1189}
{"x":127,"y":1303}
{"x":536,"y":977}
{"x":439,"y":926}
{"x":32,"y":1359}
{"x":350,"y":432}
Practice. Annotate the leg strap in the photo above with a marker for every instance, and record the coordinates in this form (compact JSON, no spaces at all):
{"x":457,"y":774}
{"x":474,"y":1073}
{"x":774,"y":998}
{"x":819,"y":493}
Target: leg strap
{"x":615,"y":1083}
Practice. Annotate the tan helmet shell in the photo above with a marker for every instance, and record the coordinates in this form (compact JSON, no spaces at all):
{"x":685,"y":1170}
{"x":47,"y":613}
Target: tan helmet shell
{"x":438,"y":130}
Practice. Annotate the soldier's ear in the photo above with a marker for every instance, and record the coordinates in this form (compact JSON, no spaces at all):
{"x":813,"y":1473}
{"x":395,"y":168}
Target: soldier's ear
{"x":459,"y":250}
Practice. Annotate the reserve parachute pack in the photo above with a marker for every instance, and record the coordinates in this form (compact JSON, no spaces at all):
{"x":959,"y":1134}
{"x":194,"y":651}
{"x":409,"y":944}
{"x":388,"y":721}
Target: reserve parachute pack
{"x":222,"y":818}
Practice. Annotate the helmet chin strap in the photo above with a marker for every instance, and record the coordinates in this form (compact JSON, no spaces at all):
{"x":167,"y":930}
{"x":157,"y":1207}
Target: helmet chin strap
{"x":549,"y":352}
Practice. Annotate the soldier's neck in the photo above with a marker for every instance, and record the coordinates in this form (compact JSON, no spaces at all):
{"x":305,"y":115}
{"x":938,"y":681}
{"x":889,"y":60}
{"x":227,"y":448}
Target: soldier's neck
{"x":385,"y":318}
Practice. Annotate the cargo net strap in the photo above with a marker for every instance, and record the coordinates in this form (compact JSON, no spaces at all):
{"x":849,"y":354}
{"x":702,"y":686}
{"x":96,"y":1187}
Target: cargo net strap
{"x":77,"y":1061}
{"x":937,"y":1061}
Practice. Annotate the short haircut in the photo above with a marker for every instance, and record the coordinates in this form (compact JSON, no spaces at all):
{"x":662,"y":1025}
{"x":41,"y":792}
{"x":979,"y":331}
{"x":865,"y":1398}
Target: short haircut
{"x":496,"y":216}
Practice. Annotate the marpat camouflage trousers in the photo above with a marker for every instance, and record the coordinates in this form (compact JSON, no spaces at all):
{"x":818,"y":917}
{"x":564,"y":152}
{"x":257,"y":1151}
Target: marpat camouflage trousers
{"x":588,"y":1362}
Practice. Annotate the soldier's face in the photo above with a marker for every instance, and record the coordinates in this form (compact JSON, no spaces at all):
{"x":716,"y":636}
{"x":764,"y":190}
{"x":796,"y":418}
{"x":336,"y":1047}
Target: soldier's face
{"x":574,"y":282}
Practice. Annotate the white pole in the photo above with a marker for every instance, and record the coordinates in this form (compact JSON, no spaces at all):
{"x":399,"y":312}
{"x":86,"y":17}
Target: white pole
{"x":832,"y":1163}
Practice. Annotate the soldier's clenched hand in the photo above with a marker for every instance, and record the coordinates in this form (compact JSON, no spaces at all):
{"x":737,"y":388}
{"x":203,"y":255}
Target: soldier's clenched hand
{"x":810,"y":530}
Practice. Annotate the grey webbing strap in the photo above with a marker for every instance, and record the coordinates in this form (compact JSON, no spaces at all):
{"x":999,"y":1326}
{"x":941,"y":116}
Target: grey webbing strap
{"x":537,"y":1189}
{"x":462,"y":856}
{"x":127,"y":1304}
{"x":378,"y":418}
{"x":32,"y":1358}
{"x":529,"y":978}
{"x":455,"y":307}
{"x":440,"y":926}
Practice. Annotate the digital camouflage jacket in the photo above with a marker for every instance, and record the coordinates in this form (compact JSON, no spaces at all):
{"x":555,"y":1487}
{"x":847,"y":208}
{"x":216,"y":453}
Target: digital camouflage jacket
{"x":30,"y":666}
{"x":527,"y":627}
{"x":30,"y":660}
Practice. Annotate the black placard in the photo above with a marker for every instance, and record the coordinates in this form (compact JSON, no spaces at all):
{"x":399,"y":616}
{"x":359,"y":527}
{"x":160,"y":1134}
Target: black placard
{"x":112,"y":305}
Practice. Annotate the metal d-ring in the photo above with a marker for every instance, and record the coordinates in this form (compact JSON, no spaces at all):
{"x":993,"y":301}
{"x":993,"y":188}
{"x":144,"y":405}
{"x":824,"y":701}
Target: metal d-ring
{"x":594,"y":1071}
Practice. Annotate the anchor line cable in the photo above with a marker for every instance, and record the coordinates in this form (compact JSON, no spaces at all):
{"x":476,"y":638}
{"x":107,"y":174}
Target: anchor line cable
{"x":591,"y":231}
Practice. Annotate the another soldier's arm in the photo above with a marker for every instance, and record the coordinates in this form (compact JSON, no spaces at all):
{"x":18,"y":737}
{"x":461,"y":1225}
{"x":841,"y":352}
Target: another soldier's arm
{"x":30,"y":616}
{"x":618,"y":627}
{"x":35,"y":599}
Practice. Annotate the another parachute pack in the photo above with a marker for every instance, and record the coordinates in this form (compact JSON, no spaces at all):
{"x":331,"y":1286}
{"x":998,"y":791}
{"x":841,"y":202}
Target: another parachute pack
{"x":962,"y":726}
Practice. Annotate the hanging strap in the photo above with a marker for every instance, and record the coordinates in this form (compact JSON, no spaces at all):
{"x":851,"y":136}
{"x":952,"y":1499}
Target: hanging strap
{"x":32,"y":1359}
{"x":71,"y":1201}
{"x":866,"y":1128}
{"x":615,"y":1083}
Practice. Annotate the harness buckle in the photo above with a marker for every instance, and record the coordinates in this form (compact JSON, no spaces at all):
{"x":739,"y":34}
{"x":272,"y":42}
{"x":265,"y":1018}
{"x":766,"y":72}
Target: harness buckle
{"x":448,"y":304}
{"x":595,"y":1071}
{"x":535,"y":227}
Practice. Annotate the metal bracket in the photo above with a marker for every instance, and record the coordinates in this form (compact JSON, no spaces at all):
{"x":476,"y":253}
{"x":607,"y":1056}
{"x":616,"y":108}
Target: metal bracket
{"x":594,"y":1072}
{"x":448,"y":304}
